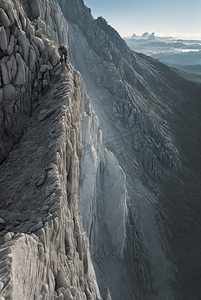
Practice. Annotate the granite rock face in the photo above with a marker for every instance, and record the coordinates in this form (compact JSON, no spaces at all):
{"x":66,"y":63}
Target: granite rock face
{"x":22,"y":55}
{"x":3,"y":37}
{"x":44,"y":248}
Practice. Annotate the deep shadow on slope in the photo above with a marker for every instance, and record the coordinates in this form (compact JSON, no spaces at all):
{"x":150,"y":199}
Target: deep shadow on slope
{"x":181,"y":191}
{"x":183,"y":102}
{"x":182,"y":197}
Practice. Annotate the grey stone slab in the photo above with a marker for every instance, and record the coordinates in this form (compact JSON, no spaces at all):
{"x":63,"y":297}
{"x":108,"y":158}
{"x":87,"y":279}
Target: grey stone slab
{"x":11,"y":45}
{"x":3,"y":39}
{"x":9,"y":93}
{"x":21,"y":76}
{"x":39,"y":43}
{"x":24,"y":44}
{"x":10,"y":13}
{"x":4,"y":71}
{"x":4,"y":18}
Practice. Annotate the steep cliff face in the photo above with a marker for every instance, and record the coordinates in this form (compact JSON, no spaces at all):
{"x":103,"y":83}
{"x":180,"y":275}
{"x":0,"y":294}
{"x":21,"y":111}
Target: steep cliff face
{"x":102,"y":200}
{"x":44,"y":248}
{"x":113,"y":150}
{"x":147,"y":115}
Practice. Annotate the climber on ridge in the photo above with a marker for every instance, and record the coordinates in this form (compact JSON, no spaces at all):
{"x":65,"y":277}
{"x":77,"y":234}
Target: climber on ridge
{"x":63,"y":53}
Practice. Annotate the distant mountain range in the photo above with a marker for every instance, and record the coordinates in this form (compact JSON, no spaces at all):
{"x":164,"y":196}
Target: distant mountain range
{"x":145,"y":35}
{"x":179,"y":53}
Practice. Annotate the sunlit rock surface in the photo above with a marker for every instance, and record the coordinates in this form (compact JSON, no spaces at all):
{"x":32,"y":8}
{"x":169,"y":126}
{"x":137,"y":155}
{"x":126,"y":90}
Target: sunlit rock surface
{"x":102,"y":201}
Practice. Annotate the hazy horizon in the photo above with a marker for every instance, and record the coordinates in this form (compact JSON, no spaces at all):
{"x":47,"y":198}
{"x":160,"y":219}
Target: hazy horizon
{"x":165,"y":34}
{"x":175,"y":18}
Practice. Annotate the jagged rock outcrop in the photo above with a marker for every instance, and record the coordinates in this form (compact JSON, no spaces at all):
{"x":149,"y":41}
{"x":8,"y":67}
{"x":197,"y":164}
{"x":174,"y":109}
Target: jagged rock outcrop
{"x":44,"y":249}
{"x":21,"y":57}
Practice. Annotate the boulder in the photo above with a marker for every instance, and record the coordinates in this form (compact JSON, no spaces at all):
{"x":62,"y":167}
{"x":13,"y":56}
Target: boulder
{"x":24,"y":44}
{"x":21,"y":75}
{"x":39,"y":75}
{"x":10,"y":13}
{"x":61,"y":280}
{"x":4,"y":72}
{"x":40,"y":61}
{"x":11,"y":45}
{"x":8,"y":236}
{"x":73,"y":291}
{"x":2,"y":221}
{"x":4,"y":18}
{"x":9,"y":67}
{"x":44,"y":56}
{"x":43,"y":68}
{"x":67,"y":295}
{"x":8,"y":33}
{"x":35,"y":48}
{"x":14,"y":69}
{"x":32,"y":60}
{"x":9,"y":92}
{"x":23,"y":20}
{"x":39,"y":32}
{"x":15,"y":31}
{"x":3,"y":39}
{"x":39,"y":43}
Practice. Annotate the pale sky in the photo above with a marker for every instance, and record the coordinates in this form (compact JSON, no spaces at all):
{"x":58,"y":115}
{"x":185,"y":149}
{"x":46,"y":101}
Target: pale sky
{"x":177,"y":18}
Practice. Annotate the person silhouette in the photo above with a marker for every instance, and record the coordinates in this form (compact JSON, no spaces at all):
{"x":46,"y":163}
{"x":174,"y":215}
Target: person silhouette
{"x":63,"y":53}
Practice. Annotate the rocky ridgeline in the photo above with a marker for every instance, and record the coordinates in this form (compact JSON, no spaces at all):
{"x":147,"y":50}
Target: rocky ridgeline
{"x":44,"y":251}
{"x":124,"y":75}
{"x":27,"y":58}
{"x":128,"y":78}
